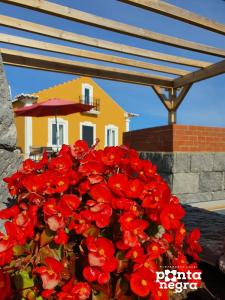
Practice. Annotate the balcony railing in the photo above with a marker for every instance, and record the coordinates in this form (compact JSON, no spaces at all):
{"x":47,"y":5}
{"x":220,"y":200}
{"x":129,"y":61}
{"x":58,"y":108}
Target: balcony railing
{"x":92,"y":101}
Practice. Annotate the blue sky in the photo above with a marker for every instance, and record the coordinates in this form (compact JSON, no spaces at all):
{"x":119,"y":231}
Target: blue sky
{"x":204,"y":104}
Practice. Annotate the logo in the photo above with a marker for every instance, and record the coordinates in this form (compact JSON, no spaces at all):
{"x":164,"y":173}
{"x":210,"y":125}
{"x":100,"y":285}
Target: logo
{"x":178,"y":281}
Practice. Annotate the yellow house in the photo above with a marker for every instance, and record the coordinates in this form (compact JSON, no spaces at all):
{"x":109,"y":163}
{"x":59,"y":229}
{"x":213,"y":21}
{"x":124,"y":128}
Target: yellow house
{"x":106,"y":121}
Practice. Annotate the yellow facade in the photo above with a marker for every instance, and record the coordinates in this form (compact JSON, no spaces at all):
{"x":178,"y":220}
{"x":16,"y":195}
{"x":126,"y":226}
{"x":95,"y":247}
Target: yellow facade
{"x":108,"y":114}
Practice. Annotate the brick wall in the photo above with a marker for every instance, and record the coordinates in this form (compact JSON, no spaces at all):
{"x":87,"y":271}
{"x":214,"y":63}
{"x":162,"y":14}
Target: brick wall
{"x":177,"y":138}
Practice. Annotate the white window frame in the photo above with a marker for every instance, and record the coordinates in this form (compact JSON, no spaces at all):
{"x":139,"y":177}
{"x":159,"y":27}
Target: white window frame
{"x":60,"y":121}
{"x":90,"y":87}
{"x":88,"y":124}
{"x":112,"y":127}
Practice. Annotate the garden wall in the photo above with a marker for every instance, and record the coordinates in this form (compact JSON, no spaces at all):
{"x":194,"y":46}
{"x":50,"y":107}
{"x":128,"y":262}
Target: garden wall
{"x":10,"y":159}
{"x":190,"y":158}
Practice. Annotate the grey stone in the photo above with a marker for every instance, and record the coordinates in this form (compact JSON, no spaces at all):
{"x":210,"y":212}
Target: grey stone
{"x":202,"y":162}
{"x":167,"y":162}
{"x":220,"y":195}
{"x":168,"y":178}
{"x":181,"y":163}
{"x":9,"y":163}
{"x":185,"y":183}
{"x":211,"y":181}
{"x":193,"y":198}
{"x":219,"y":162}
{"x":164,"y":161}
{"x":7,"y":125}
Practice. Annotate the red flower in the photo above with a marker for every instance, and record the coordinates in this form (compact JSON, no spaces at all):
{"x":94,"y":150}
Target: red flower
{"x":9,"y":213}
{"x":141,"y":282}
{"x":61,"y":238}
{"x":101,"y":193}
{"x":135,"y":253}
{"x":134,"y":235}
{"x":84,"y":187}
{"x":171,"y":215}
{"x":14,"y":183}
{"x":193,"y":243}
{"x":101,"y":259}
{"x":5,"y":286}
{"x":82,"y":290}
{"x":119,"y":184}
{"x":75,"y":291}
{"x":51,"y":273}
{"x":79,"y":149}
{"x":181,"y":262}
{"x":135,"y":188}
{"x":34,"y":183}
{"x":68,"y":204}
{"x":111,"y":156}
{"x":180,"y":235}
{"x":6,"y":244}
{"x":79,"y":223}
{"x":159,"y":294}
{"x":61,"y":164}
{"x":155,"y":250}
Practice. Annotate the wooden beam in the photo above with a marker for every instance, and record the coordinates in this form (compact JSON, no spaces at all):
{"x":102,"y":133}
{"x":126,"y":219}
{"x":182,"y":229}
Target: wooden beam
{"x":158,"y":90}
{"x":208,"y":72}
{"x":103,"y":44}
{"x":35,"y":44}
{"x":93,"y":20}
{"x":178,"y":13}
{"x":180,"y":97}
{"x":47,"y":63}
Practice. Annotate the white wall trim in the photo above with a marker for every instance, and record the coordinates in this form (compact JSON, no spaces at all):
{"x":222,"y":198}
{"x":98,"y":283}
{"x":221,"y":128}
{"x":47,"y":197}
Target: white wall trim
{"x":60,"y":121}
{"x":28,"y":134}
{"x":113,"y":127}
{"x":88,"y":124}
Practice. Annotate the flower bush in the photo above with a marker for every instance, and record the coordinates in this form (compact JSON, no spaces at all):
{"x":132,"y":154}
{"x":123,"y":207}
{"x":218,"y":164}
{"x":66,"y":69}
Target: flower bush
{"x":91,"y":224}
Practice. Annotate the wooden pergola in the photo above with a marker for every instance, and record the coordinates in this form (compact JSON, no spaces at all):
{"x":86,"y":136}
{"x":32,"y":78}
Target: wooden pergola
{"x":170,"y":91}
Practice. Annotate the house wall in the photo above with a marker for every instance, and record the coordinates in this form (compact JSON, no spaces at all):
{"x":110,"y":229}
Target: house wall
{"x":110,"y":113}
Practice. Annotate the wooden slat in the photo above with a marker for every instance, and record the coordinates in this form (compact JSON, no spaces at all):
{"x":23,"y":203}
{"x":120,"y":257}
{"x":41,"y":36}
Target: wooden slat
{"x":30,"y":43}
{"x":47,"y":63}
{"x":81,"y":39}
{"x":211,"y":71}
{"x":178,"y":13}
{"x":93,"y":20}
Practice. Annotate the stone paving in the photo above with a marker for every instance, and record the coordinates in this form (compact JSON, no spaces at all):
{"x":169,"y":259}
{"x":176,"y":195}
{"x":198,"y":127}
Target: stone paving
{"x":212,"y":226}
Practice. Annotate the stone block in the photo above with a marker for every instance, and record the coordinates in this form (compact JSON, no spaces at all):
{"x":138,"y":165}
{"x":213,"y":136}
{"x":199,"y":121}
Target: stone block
{"x":219,"y":162}
{"x":181,"y":162}
{"x":185,"y":183}
{"x":211,"y":181}
{"x":201,"y":162}
{"x":220,"y":195}
{"x":194,"y":198}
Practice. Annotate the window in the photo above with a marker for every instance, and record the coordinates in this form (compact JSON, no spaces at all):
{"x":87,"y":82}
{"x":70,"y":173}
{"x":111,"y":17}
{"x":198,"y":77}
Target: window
{"x":111,"y":135}
{"x":60,"y":134}
{"x":87,"y":132}
{"x":61,"y":131}
{"x":87,"y":93}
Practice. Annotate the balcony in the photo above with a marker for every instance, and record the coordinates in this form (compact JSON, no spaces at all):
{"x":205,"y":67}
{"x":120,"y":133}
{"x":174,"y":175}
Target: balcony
{"x":92,"y":101}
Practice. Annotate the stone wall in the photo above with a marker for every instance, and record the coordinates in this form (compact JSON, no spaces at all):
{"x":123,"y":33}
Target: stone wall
{"x":193,"y":177}
{"x":10,"y":159}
